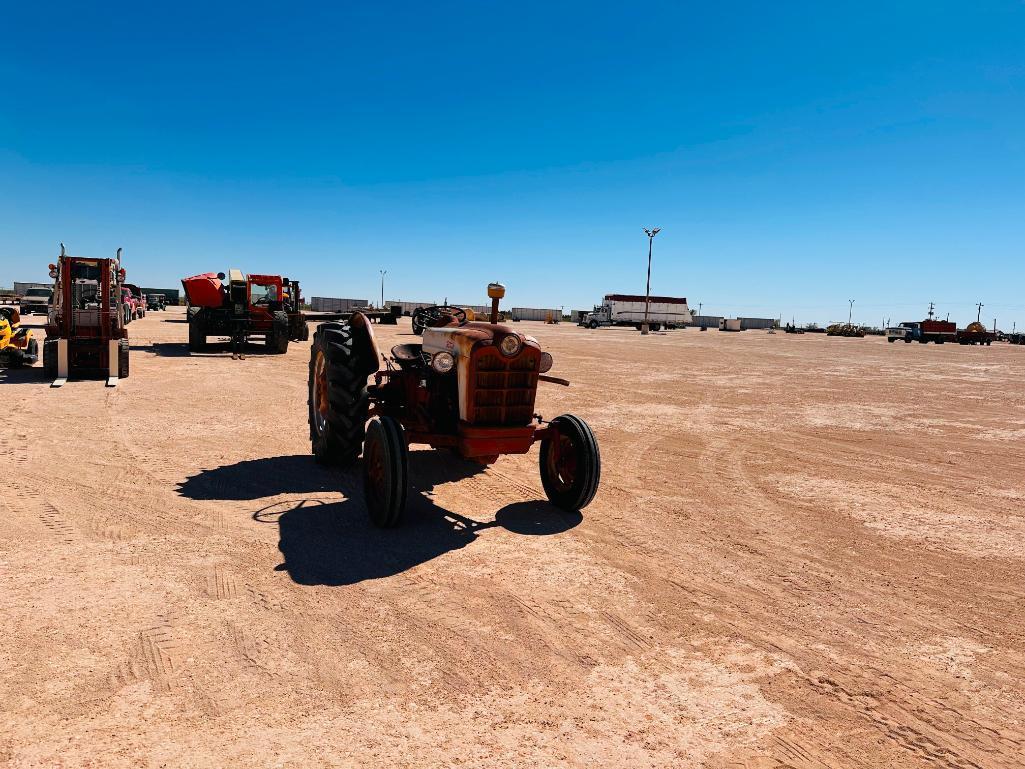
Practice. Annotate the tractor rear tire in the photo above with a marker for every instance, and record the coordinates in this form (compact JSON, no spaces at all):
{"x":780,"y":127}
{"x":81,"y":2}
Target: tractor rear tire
{"x":338,"y":402}
{"x":385,"y":472}
{"x":122,"y":359}
{"x":50,"y":358}
{"x":277,"y":339}
{"x":570,"y":463}
{"x":197,"y":337}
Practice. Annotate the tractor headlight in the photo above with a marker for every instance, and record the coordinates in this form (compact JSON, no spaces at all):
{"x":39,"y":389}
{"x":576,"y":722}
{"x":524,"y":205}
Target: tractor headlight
{"x":510,"y":345}
{"x":546,"y":362}
{"x":443,"y":362}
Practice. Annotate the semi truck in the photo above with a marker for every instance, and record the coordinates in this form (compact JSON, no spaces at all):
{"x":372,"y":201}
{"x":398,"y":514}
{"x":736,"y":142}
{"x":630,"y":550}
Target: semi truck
{"x":628,"y":310}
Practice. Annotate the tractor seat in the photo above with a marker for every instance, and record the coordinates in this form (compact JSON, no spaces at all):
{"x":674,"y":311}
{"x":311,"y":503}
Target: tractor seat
{"x":408,"y":353}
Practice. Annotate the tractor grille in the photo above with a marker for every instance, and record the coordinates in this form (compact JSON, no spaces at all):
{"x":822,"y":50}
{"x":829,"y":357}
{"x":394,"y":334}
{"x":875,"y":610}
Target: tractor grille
{"x":503,"y":389}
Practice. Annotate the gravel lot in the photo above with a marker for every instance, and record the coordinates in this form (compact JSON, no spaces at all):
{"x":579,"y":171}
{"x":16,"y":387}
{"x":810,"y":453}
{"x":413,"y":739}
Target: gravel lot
{"x":806,"y":552}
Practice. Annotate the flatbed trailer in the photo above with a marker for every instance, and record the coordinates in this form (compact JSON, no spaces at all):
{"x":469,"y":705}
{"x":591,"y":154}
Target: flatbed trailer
{"x":387,"y":317}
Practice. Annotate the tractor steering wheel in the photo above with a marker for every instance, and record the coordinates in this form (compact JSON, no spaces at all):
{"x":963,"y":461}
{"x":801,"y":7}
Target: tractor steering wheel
{"x":437,"y":315}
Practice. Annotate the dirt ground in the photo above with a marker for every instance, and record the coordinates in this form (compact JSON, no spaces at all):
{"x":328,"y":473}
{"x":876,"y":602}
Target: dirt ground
{"x":805,"y":552}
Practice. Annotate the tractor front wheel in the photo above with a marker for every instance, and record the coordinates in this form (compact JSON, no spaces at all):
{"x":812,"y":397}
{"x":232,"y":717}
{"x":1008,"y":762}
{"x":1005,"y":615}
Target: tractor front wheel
{"x":337,"y":394}
{"x":277,"y":339}
{"x":570,"y":463}
{"x":385,"y":471}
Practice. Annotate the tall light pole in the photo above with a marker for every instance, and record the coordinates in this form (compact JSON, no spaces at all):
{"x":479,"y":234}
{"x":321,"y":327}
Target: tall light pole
{"x":383,"y":273}
{"x":647,"y":291}
{"x":850,"y":313}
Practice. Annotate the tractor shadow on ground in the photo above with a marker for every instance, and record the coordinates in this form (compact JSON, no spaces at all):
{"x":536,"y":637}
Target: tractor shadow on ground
{"x":333,"y":542}
{"x":258,"y":478}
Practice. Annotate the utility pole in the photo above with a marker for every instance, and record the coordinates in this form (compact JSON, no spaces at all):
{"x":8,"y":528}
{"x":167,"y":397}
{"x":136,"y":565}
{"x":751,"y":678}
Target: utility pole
{"x":647,"y":291}
{"x":850,"y":313}
{"x":383,"y":273}
{"x":978,"y":317}
{"x":931,"y":306}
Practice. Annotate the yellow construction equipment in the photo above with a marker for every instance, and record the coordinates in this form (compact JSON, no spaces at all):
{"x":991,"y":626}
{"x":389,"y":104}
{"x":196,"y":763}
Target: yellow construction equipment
{"x":17,"y":346}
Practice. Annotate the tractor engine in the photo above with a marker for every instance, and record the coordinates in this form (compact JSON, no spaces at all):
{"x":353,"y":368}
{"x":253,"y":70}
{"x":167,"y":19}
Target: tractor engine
{"x":495,"y":369}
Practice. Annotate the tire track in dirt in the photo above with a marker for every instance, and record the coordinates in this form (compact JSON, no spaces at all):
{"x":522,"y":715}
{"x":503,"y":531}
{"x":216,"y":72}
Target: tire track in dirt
{"x":155,"y":657}
{"x":935,"y":743}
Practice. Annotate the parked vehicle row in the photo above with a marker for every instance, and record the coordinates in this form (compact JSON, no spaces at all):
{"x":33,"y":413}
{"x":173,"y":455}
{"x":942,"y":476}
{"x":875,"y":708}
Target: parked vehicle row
{"x":939,"y":332}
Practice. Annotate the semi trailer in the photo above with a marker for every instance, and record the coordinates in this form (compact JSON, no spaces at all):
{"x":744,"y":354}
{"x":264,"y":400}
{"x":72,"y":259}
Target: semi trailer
{"x":628,"y":310}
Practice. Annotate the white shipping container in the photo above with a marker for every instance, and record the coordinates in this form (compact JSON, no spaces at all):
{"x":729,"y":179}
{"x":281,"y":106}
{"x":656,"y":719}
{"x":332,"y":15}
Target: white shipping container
{"x":535,"y":313}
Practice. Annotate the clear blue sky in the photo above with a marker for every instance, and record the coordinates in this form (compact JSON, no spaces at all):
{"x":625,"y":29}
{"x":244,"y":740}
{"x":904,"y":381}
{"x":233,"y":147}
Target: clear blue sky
{"x":795,"y":154}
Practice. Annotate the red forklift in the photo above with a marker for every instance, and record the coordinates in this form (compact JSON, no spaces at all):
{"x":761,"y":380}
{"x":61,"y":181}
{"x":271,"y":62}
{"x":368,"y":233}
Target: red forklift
{"x":85,"y":332}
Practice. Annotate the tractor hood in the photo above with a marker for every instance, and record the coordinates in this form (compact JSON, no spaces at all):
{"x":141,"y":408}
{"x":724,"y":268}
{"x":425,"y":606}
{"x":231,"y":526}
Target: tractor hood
{"x":460,"y":340}
{"x":205,"y":290}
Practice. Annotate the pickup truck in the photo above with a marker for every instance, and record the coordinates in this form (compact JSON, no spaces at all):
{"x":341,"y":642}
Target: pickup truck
{"x":36,"y":300}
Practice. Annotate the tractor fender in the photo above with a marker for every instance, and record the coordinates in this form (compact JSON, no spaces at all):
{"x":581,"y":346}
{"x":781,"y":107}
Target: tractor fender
{"x":363,"y":335}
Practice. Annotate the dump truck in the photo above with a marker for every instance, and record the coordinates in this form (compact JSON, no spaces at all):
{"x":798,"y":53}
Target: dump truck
{"x":923,"y":331}
{"x":628,"y":310}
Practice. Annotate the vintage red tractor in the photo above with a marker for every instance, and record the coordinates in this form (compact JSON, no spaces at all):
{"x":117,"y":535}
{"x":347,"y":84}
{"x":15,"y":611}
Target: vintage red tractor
{"x":469,"y":387}
{"x":85,"y":331}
